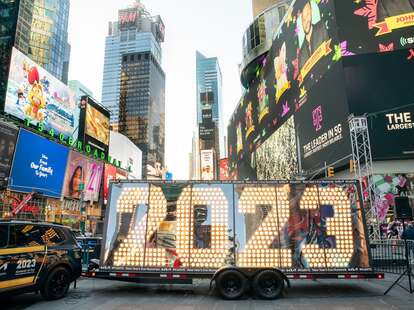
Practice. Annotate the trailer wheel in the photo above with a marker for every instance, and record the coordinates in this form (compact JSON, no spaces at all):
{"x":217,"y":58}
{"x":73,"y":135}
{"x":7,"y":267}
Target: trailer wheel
{"x":268,"y":284}
{"x":231,"y":284}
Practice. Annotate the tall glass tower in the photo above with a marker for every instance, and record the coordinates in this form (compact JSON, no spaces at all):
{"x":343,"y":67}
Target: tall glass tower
{"x":136,"y":31}
{"x":133,"y":86}
{"x":209,"y":105}
{"x":49,"y":45}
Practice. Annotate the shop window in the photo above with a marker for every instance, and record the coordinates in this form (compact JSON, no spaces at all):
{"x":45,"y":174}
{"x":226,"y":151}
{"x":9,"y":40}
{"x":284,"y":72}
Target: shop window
{"x":28,"y":235}
{"x":4,"y":235}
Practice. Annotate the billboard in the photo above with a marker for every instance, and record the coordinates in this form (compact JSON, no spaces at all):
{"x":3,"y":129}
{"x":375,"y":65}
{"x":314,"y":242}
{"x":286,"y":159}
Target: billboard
{"x":127,"y":153}
{"x":97,"y":125}
{"x":305,"y":48}
{"x":322,"y":124}
{"x":380,"y":85}
{"x":311,"y":227}
{"x":112,"y":173}
{"x":377,"y":26}
{"x":83,"y":176}
{"x":94,"y":127}
{"x":276,"y":158}
{"x":207,"y":165}
{"x":38,"y":165}
{"x":38,"y":98}
{"x":224,"y":169}
{"x":8,"y":136}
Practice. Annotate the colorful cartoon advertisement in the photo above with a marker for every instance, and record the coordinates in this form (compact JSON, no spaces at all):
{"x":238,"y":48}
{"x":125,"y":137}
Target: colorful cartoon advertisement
{"x":33,"y":94}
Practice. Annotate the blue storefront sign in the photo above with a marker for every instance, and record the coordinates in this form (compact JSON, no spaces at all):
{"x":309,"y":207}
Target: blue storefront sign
{"x":39,"y":165}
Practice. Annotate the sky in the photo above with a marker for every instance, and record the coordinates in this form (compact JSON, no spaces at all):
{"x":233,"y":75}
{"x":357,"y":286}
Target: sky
{"x":215,"y":28}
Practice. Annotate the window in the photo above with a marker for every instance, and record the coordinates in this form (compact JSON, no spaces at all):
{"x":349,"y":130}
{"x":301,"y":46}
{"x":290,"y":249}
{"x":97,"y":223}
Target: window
{"x":4,"y":235}
{"x":51,"y":235}
{"x":28,"y":235}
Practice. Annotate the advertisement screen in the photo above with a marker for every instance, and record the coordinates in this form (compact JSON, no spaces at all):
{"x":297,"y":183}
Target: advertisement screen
{"x":276,"y":158}
{"x":39,"y":165}
{"x":322,"y":124}
{"x":35,"y":95}
{"x":305,"y":48}
{"x":207,"y":165}
{"x":377,"y":25}
{"x":390,"y":108}
{"x":112,"y":173}
{"x":207,"y":226}
{"x":8,"y":136}
{"x":83,"y":175}
{"x":224,"y":169}
{"x":97,"y":124}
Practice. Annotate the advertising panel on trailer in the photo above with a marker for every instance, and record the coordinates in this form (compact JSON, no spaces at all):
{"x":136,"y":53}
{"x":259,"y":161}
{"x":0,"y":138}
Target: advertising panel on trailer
{"x":238,"y":234}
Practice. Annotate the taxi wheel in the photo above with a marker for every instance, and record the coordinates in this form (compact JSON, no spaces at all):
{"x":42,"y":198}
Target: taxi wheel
{"x":56,"y":285}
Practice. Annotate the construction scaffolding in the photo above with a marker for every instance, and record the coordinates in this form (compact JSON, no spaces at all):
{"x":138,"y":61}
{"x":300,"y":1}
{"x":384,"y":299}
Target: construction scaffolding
{"x":362,"y":157}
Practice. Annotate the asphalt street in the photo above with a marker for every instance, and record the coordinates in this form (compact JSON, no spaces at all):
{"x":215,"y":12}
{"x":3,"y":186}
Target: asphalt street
{"x":94,"y":294}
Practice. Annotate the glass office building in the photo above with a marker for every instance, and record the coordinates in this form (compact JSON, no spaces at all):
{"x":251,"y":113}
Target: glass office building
{"x":142,"y":106}
{"x":135,"y":31}
{"x":209,"y":97}
{"x":133,"y":86}
{"x":49,"y":45}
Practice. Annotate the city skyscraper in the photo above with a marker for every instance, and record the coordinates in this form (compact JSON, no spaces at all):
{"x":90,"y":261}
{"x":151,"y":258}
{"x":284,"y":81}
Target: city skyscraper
{"x":39,"y":30}
{"x":134,"y":83}
{"x":135,"y":31}
{"x":142,"y":106}
{"x":49,"y":45}
{"x":209,"y":106}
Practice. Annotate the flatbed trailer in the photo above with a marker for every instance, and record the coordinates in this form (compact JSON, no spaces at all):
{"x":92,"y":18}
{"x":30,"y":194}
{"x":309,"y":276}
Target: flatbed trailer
{"x":242,"y":236}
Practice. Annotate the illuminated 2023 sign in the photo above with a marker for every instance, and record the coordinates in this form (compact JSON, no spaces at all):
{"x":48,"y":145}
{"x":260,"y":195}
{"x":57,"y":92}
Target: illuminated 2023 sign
{"x":291,"y":227}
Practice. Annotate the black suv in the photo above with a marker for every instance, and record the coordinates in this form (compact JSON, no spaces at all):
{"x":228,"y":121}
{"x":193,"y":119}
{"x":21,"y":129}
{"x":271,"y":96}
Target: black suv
{"x":37,"y":256}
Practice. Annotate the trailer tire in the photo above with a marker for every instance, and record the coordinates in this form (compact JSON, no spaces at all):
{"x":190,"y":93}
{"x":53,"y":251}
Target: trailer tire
{"x":268,"y":284}
{"x":231,"y":284}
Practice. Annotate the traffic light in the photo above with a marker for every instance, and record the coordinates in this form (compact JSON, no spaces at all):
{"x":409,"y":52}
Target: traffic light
{"x":331,"y":172}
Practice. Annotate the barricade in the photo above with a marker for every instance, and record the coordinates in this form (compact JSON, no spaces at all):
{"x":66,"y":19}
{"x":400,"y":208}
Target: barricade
{"x":394,"y":257}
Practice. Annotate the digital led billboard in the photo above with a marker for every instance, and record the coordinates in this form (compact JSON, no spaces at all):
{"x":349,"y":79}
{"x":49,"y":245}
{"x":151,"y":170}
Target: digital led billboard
{"x":94,"y":127}
{"x":38,"y":165}
{"x":37,"y":97}
{"x":381,"y":86}
{"x":305,"y":48}
{"x":97,"y":124}
{"x":370,"y":26}
{"x":8,"y":137}
{"x":311,"y":227}
{"x":83,"y":175}
{"x":322,"y":124}
{"x":207,"y":165}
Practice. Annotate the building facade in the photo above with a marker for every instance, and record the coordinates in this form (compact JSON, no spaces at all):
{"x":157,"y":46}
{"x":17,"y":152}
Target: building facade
{"x":135,"y":31}
{"x":261,"y":5}
{"x":49,"y":45}
{"x":79,"y":89}
{"x":142,"y":106}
